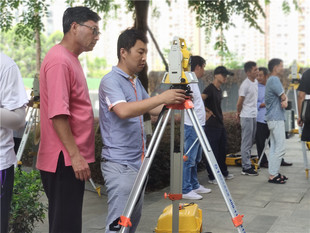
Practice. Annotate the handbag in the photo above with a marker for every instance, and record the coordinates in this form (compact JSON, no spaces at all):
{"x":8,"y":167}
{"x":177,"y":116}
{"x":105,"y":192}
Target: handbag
{"x":305,"y":111}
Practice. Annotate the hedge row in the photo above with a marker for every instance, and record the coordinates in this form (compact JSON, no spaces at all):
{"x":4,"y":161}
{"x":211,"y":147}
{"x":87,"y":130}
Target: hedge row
{"x":159,"y":175}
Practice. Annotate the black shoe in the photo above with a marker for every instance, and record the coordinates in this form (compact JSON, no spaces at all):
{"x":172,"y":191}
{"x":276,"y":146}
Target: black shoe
{"x":283,"y":163}
{"x":249,"y":172}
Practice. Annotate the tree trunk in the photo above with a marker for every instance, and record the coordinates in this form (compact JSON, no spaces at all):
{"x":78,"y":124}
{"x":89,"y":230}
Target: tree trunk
{"x":141,"y":11}
{"x":158,"y":49}
{"x":38,"y":49}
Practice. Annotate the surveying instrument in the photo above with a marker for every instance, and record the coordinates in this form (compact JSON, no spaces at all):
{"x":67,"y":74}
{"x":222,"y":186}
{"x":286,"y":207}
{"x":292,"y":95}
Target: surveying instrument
{"x":178,"y":77}
{"x":294,"y":78}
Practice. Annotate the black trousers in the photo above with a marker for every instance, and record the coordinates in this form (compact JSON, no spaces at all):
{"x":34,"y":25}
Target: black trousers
{"x":217,"y":139}
{"x":65,"y":198}
{"x":6,"y":181}
{"x":305,"y":136}
{"x":262,"y":133}
{"x":17,"y":142}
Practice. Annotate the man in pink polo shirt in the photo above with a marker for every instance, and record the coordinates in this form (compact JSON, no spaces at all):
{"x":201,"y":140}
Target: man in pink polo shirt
{"x":67,"y":134}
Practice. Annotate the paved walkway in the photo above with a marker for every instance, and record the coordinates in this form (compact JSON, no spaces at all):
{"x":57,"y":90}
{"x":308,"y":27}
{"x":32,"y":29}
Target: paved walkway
{"x":267,"y":208}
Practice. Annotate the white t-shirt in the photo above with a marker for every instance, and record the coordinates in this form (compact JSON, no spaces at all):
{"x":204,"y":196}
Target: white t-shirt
{"x":249,"y":90}
{"x":12,"y":96}
{"x":199,"y":107}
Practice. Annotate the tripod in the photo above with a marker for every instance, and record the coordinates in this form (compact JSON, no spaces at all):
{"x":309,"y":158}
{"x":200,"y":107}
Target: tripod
{"x":33,"y":119}
{"x":176,"y":169}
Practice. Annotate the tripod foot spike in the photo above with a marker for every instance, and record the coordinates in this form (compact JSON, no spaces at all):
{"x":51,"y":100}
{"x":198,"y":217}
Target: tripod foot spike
{"x":98,"y":191}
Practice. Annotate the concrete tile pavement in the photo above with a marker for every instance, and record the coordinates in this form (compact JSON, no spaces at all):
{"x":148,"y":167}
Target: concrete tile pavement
{"x":267,"y":208}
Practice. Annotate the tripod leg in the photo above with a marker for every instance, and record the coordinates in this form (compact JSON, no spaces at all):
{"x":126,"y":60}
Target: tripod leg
{"x":25,"y":135}
{"x":176,"y":172}
{"x":237,"y":219}
{"x":304,"y":152}
{"x":142,"y":174}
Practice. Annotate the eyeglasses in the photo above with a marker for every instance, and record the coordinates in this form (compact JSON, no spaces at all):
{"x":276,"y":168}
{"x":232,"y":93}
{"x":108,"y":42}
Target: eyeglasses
{"x":95,"y":30}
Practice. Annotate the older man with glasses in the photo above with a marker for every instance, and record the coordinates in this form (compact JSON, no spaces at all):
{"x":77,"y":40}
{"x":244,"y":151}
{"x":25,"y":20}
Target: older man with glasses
{"x":67,"y":132}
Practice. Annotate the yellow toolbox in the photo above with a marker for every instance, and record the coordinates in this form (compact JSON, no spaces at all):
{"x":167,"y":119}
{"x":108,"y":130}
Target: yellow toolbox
{"x":235,"y":160}
{"x":190,"y":219}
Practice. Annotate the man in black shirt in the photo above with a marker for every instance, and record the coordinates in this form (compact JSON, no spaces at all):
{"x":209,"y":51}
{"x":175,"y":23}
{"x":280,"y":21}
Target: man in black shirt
{"x":214,"y":127}
{"x":303,"y":90}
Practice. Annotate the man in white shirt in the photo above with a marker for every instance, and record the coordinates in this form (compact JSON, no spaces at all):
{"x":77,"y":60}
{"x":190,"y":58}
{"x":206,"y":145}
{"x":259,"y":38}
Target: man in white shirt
{"x":247,"y":113}
{"x":191,"y":187}
{"x":13,"y":99}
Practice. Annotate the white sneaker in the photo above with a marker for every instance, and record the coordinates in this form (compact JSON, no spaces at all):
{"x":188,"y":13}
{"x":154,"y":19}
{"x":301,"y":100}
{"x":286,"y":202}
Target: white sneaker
{"x":202,"y":189}
{"x":212,"y":181}
{"x":192,"y":196}
{"x":229,"y":177}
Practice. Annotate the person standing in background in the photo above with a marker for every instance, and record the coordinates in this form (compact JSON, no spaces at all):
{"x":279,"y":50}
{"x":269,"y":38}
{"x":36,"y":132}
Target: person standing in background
{"x":13,"y":101}
{"x":191,"y":187}
{"x":246,"y":113}
{"x":214,"y":129}
{"x":67,"y":123}
{"x":303,"y":91}
{"x":262,"y":131}
{"x":276,"y":102}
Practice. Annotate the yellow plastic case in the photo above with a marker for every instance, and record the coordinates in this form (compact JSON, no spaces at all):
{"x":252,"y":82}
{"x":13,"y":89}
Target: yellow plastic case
{"x":190,"y":219}
{"x":235,"y":160}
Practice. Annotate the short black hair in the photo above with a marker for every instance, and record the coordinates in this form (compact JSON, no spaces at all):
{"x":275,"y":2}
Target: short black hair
{"x":264,"y":69}
{"x":273,"y":62}
{"x":248,"y":66}
{"x":79,"y":14}
{"x":196,"y":60}
{"x":128,"y":38}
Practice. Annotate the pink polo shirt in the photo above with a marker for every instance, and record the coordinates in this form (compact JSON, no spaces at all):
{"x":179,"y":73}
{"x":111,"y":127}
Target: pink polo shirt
{"x":64,"y":91}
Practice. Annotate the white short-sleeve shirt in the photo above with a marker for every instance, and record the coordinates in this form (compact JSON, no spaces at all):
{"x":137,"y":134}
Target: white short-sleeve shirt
{"x":249,"y":90}
{"x":12,"y":96}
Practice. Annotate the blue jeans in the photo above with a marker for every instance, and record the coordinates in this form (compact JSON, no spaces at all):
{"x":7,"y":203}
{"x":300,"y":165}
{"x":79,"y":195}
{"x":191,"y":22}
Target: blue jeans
{"x":277,"y":146}
{"x":119,"y":180}
{"x":190,"y":180}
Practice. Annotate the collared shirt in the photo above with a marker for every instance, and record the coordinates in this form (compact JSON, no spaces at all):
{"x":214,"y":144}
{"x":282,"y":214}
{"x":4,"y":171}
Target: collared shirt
{"x":198,"y":106}
{"x":123,"y":139}
{"x":274,"y":89}
{"x":248,"y":89}
{"x":64,"y":91}
{"x":261,"y":112}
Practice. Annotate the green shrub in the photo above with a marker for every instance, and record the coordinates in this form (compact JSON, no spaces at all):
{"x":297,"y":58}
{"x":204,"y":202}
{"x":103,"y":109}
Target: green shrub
{"x":233,"y":130}
{"x":26,"y":209}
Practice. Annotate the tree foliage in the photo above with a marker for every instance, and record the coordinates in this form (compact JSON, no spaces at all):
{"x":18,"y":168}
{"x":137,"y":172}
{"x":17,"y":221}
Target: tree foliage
{"x":23,"y":51}
{"x":218,"y":16}
{"x":29,"y":17}
{"x":211,"y":15}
